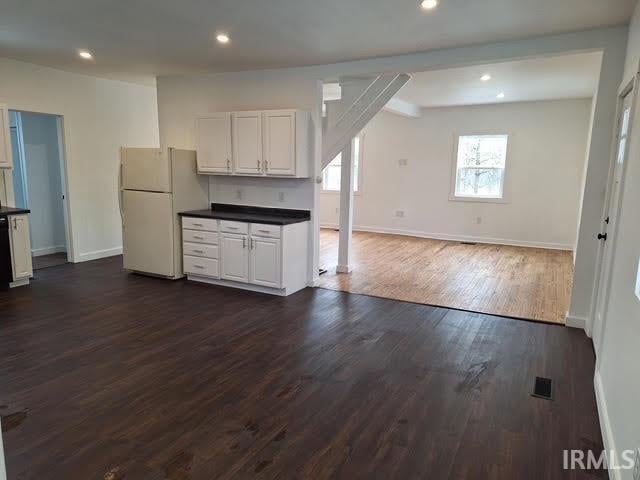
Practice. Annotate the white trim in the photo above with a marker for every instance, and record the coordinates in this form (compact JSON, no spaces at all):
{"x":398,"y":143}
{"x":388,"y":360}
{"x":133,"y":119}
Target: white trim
{"x":3,"y":470}
{"x":576,"y":322}
{"x":605,"y":423}
{"x":21,"y":282}
{"x":96,"y":254}
{"x":37,"y":252}
{"x":458,"y":238}
{"x":343,"y":269}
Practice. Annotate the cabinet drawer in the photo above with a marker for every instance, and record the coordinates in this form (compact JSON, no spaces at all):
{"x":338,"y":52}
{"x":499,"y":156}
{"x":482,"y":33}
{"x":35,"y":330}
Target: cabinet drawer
{"x":262,"y":230}
{"x":193,"y":223}
{"x":207,"y":267}
{"x":234,"y":227}
{"x":197,"y":236}
{"x":200,"y":250}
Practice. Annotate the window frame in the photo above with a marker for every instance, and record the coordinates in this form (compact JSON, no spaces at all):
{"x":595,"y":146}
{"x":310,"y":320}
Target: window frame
{"x":360,"y":172}
{"x":505,"y":198}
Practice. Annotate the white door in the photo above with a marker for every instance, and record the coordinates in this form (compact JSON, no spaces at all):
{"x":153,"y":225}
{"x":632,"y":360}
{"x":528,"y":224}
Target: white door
{"x":247,"y":142}
{"x":214,"y":143}
{"x":266,"y":267}
{"x":147,"y":232}
{"x":280,"y":143}
{"x":145,"y":169}
{"x":235,"y":260}
{"x":20,"y":247}
{"x":607,"y":235}
{"x":5,"y":138}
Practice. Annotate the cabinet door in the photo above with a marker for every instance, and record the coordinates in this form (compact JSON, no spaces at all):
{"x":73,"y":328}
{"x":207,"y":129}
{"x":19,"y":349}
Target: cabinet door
{"x":214,"y":143}
{"x":280,"y":143}
{"x":5,"y":138}
{"x":266,"y":266}
{"x":235,"y":260}
{"x":247,"y":142}
{"x":20,"y":247}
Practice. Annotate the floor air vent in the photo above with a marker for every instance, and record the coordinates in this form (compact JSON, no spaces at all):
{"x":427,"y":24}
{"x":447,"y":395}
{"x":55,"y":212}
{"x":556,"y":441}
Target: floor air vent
{"x":468,"y":243}
{"x":543,"y":388}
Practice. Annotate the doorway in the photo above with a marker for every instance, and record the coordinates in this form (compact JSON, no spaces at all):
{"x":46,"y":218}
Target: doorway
{"x":608,"y":234}
{"x":38,"y":182}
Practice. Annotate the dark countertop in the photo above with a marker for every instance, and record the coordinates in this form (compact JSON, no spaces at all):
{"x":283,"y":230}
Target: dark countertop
{"x":242,"y":213}
{"x":6,"y":211}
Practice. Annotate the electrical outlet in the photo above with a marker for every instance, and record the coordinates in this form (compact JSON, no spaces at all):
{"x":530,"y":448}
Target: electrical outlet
{"x":478,"y":220}
{"x":403,"y":162}
{"x":636,"y":465}
{"x":281,"y":196}
{"x":400,"y":213}
{"x":239,"y":194}
{"x":337,"y":210}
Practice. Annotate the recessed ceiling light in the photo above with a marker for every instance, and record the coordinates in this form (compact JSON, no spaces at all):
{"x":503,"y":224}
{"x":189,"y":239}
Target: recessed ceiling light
{"x":486,"y":77}
{"x":428,"y":4}
{"x":222,"y":38}
{"x":500,"y":95}
{"x":85,"y":54}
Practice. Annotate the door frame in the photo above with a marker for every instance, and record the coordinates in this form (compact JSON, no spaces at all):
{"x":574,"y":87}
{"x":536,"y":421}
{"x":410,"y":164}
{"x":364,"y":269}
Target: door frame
{"x":602,"y":286}
{"x":64,"y":176}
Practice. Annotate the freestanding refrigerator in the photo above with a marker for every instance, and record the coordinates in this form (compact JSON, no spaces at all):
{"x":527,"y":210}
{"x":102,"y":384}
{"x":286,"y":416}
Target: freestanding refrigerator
{"x":154,"y":186}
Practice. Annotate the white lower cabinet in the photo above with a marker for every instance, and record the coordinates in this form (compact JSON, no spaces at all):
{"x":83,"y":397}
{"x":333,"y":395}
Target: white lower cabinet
{"x":266,"y":266}
{"x":20,"y":247}
{"x":266,"y":258}
{"x":234,"y":257}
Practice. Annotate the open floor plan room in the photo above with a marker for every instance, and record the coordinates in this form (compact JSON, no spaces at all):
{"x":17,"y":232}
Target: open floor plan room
{"x":251,"y":240}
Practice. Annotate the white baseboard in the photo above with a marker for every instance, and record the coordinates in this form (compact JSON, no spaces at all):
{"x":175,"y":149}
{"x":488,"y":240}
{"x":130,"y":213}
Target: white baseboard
{"x":3,"y":470}
{"x":576,"y":322}
{"x":605,"y":423}
{"x":37,"y":252}
{"x":95,"y":255}
{"x":458,"y":238}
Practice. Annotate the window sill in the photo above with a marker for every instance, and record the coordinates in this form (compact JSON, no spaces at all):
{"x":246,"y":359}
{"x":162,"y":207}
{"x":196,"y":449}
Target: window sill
{"x":478,"y":199}
{"x":336,"y":192}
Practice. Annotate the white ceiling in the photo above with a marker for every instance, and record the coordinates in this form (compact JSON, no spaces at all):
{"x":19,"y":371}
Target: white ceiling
{"x":565,"y":76}
{"x":138,"y":39}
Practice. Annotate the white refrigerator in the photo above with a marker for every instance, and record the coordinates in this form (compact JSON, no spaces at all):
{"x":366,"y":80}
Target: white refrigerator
{"x":154,"y":186}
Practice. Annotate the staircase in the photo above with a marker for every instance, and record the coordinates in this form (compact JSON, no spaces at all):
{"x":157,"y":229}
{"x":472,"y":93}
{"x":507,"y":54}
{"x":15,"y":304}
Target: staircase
{"x":360,"y":102}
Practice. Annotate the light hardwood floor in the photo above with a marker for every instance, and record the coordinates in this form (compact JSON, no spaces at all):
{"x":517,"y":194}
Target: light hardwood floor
{"x":519,"y":282}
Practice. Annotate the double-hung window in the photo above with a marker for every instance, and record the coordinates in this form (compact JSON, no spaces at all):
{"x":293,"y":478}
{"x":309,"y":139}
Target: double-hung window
{"x":480,"y":167}
{"x":332,"y":173}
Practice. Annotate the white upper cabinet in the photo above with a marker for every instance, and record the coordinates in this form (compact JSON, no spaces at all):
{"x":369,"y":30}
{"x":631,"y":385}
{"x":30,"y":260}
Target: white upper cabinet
{"x":280,"y":143}
{"x":264,"y":143}
{"x":5,"y":138}
{"x":213,"y":138}
{"x":247,"y":142}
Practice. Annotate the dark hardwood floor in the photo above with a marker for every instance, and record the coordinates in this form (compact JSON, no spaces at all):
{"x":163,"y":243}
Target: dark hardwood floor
{"x":112,"y":376}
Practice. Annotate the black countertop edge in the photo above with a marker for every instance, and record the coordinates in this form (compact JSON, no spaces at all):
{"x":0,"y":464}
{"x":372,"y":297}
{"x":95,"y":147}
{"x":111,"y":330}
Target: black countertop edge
{"x":6,"y":211}
{"x":248,"y":213}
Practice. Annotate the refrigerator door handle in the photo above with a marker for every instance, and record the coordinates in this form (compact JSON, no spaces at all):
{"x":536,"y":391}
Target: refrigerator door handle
{"x":120,"y":194}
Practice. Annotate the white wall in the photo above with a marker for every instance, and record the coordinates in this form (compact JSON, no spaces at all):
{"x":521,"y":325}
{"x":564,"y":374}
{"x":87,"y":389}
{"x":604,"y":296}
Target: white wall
{"x":100,"y":116}
{"x":44,"y":183}
{"x":547,"y":144}
{"x":617,"y":369}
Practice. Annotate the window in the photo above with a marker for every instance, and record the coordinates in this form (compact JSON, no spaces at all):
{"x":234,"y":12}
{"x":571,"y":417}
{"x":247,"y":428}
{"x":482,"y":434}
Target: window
{"x":480,"y":167}
{"x":332,"y":173}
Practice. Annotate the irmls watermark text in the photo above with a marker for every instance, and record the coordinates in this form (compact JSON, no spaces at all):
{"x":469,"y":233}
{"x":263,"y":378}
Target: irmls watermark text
{"x":590,"y":460}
